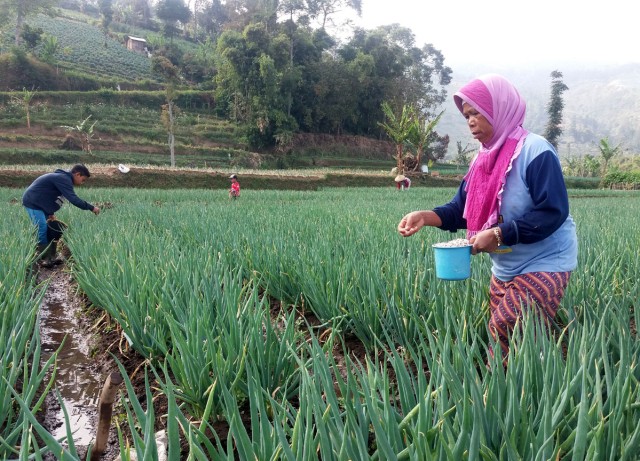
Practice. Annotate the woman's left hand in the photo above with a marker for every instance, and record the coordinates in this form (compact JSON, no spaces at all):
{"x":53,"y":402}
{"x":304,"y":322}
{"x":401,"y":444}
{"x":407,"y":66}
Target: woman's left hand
{"x":484,"y":242}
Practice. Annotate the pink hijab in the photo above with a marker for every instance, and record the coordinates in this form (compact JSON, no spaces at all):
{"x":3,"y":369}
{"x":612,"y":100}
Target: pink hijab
{"x":500,"y":103}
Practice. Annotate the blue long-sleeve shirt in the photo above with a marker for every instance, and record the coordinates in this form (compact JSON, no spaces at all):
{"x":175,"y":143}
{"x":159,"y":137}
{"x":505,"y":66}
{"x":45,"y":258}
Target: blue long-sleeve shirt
{"x":47,"y":192}
{"x":534,"y":216}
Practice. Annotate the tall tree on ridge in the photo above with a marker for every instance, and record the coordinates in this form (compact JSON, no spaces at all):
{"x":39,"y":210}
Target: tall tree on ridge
{"x":172,"y":12}
{"x":170,"y":74}
{"x":212,"y":18}
{"x":21,"y":9}
{"x":106,"y":10}
{"x":324,"y":9}
{"x":554,"y":109}
{"x":401,"y":74}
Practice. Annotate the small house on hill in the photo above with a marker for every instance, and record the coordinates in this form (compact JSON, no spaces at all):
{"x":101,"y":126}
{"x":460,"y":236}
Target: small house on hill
{"x":136,"y":44}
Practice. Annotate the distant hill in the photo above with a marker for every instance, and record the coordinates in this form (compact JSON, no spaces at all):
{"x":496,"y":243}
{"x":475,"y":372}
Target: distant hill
{"x":601,"y":102}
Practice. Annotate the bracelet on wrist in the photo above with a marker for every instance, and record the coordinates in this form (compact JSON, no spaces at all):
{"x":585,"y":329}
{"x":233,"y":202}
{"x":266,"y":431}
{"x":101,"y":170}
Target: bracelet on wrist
{"x":496,"y":232}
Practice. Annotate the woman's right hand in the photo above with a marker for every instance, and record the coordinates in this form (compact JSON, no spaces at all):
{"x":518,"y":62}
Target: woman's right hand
{"x":416,"y":220}
{"x":411,"y":223}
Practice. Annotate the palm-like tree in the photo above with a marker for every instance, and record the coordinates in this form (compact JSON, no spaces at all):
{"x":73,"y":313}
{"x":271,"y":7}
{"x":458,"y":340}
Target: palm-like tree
{"x":607,"y":151}
{"x":85,"y":131}
{"x":25,"y":103}
{"x":419,"y":134}
{"x":398,"y":129}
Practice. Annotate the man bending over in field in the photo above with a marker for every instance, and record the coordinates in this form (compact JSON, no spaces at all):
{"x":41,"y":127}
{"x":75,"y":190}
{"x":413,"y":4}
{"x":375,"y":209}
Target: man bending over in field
{"x":45,"y":196}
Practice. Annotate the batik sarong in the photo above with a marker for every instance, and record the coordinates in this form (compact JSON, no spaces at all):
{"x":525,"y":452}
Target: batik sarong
{"x":541,"y":292}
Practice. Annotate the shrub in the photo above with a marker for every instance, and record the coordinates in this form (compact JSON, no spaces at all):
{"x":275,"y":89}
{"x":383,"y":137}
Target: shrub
{"x":622,"y":180}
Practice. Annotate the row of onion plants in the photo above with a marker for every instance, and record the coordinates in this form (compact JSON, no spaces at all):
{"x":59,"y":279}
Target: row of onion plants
{"x":191,"y":277}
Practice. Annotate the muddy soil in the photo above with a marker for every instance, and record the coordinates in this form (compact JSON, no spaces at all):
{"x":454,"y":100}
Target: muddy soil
{"x":65,"y":327}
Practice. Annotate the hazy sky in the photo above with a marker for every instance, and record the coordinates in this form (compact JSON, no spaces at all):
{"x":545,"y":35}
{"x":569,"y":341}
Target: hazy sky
{"x":505,"y":32}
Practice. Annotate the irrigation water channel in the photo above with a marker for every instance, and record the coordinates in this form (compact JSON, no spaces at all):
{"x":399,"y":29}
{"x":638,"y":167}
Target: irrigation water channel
{"x":76,"y":379}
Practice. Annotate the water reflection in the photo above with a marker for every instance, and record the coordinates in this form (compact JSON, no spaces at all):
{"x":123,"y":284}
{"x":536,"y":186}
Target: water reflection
{"x":75,"y":380}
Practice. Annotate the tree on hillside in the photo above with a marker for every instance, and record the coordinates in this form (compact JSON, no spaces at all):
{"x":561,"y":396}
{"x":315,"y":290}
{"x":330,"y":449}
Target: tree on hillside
{"x":24,"y":102}
{"x":331,"y":103}
{"x":554,"y":109}
{"x":85,"y":131}
{"x":31,"y":36}
{"x":401,"y":74}
{"x":276,"y":77}
{"x":212,"y":18}
{"x":172,"y":12}
{"x":254,"y":82}
{"x":323,"y":10}
{"x":142,"y":11}
{"x":162,"y":66}
{"x":437,"y":147}
{"x":241,"y":13}
{"x":607,"y":151}
{"x":21,"y":10}
{"x":133,"y":12}
{"x":106,"y":11}
{"x":4,"y":13}
{"x":50,"y":46}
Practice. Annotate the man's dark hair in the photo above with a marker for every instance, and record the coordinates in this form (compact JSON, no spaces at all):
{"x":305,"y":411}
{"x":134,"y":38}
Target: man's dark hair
{"x":80,"y":168}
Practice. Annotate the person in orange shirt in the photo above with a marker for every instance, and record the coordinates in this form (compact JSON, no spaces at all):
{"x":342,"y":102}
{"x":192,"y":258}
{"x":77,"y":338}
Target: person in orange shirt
{"x":234,"y":190}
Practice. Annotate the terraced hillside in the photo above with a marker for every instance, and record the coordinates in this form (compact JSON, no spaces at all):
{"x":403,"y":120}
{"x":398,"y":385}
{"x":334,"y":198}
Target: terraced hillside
{"x":132,"y":134}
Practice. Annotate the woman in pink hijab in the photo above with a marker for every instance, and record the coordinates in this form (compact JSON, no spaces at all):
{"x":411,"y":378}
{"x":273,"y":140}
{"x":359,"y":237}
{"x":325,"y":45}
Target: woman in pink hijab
{"x":514,"y":205}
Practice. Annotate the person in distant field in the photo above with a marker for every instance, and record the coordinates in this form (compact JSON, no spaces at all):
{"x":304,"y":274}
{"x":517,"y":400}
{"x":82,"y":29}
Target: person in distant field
{"x":44,"y":197}
{"x":513,"y":202}
{"x":234,"y":190}
{"x":402,"y":182}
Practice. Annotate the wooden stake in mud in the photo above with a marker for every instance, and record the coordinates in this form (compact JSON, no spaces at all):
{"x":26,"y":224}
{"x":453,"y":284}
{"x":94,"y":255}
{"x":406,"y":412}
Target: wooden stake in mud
{"x":105,"y":410}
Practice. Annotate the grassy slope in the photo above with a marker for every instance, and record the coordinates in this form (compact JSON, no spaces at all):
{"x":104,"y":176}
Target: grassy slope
{"x":126,"y":131}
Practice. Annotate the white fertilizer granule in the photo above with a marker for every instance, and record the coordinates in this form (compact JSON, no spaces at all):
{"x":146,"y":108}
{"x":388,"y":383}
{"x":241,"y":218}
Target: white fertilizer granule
{"x":457,"y":243}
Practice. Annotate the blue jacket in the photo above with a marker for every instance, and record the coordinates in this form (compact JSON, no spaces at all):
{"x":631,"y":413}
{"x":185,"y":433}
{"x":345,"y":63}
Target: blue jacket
{"x":535,"y":220}
{"x":47,"y":193}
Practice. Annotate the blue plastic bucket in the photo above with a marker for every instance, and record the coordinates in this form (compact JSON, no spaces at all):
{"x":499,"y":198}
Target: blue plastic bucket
{"x":452,"y":263}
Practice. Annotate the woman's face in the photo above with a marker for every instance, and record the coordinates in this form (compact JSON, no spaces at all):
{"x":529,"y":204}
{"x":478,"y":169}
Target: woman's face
{"x":479,"y":126}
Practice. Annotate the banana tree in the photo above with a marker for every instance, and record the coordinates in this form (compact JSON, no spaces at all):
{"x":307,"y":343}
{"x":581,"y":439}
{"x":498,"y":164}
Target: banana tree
{"x":420,"y":134}
{"x":608,"y":151}
{"x":25,"y":103}
{"x":398,"y":129}
{"x":85,"y":131}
